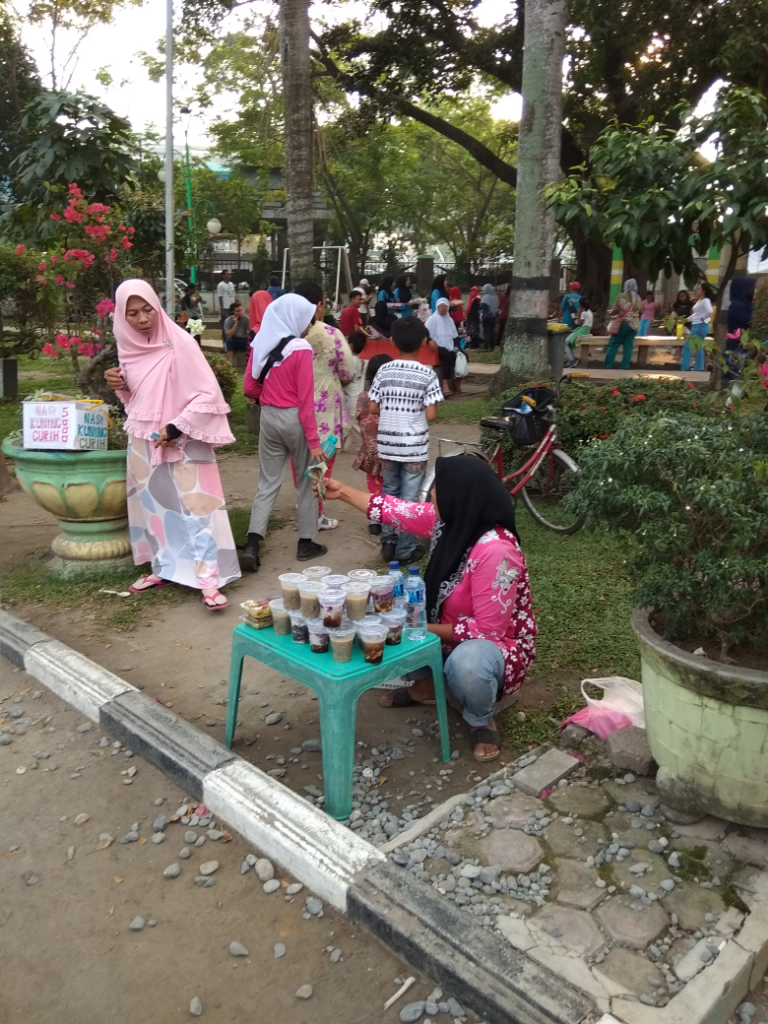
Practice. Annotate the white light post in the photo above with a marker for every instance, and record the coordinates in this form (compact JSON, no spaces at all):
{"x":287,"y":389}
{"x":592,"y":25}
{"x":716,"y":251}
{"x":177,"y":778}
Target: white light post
{"x":170,"y":273}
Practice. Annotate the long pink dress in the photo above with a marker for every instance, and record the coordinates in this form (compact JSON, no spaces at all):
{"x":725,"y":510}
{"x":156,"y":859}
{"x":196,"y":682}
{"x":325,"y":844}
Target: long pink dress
{"x":489,"y":595}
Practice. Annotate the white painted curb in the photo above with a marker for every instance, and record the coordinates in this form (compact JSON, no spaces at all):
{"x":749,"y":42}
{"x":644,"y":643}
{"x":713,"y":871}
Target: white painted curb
{"x":73,"y":677}
{"x":317,"y":850}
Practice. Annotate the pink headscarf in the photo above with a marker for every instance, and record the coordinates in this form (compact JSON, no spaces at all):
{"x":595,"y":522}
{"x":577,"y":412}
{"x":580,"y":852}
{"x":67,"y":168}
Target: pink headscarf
{"x":168,"y":379}
{"x":258,"y":304}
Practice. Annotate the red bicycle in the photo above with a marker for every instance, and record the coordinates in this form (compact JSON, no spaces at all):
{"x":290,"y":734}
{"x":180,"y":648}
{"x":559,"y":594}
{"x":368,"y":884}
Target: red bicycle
{"x":544,"y":473}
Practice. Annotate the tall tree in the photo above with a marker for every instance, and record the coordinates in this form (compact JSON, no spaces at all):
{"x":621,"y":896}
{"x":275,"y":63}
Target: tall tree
{"x":538,"y":162}
{"x":297,"y":92}
{"x":19,"y":84}
{"x":65,"y":24}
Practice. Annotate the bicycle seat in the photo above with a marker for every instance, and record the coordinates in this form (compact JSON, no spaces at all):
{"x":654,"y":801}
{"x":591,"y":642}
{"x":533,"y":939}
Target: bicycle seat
{"x":498,"y":422}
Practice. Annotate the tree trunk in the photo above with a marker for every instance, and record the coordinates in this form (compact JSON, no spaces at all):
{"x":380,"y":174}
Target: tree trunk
{"x":593,"y":269}
{"x":524,"y":356}
{"x":297,"y":94}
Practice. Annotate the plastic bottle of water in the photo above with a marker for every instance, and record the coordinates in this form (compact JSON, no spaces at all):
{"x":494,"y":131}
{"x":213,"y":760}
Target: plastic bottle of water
{"x":415,"y":605}
{"x":398,"y":592}
{"x":329,"y":445}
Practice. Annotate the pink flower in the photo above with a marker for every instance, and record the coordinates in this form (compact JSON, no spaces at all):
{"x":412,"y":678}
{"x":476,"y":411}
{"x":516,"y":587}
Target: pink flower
{"x":121,"y":227}
{"x":105,"y":307}
{"x":97,"y":231}
{"x":55,"y":216}
{"x":49,"y":350}
{"x":62,"y":341}
{"x":86,"y":348}
{"x":73,"y":216}
{"x":20,"y":250}
{"x":59,"y":279}
{"x":131,"y":231}
{"x":112,"y":254}
{"x":54,"y":258}
{"x":42,"y":266}
{"x":97,"y":208}
{"x":95,"y":330}
{"x":126,"y":243}
{"x":74,"y":190}
{"x":69,"y":284}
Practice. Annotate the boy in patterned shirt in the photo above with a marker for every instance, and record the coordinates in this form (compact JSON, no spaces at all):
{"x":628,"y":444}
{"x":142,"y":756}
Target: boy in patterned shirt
{"x":404,"y":395}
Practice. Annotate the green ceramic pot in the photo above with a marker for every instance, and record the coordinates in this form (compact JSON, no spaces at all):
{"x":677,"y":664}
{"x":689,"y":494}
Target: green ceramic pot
{"x":86,"y":493}
{"x":707,"y":727}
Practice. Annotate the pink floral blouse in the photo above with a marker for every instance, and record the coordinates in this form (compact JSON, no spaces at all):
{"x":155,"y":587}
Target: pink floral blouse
{"x":489,"y":595}
{"x":333,"y":367}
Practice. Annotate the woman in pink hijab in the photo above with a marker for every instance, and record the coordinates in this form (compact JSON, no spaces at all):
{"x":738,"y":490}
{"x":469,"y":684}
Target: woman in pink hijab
{"x":175,"y":416}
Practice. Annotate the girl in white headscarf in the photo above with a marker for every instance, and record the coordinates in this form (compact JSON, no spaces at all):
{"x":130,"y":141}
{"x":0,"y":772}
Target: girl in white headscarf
{"x":442,"y":330}
{"x":282,"y":365}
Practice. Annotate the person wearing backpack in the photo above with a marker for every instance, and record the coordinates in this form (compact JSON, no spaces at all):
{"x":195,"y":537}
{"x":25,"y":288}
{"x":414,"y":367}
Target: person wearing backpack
{"x":570,"y":305}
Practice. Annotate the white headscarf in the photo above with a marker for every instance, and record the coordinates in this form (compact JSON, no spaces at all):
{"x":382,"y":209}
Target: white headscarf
{"x":441,"y":326}
{"x":490,"y":298}
{"x":286,"y":317}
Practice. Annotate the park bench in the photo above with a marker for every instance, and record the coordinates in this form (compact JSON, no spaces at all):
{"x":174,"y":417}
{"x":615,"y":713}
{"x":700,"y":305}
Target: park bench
{"x":588,"y":343}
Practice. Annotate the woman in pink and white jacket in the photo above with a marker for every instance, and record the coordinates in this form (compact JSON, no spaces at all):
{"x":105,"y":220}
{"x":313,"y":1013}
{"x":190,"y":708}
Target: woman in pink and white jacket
{"x":478,"y":592}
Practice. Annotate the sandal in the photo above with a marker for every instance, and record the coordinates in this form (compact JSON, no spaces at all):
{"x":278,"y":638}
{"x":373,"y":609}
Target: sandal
{"x":212,"y":602}
{"x":489,"y":736}
{"x":401,"y":698}
{"x":149,"y":583}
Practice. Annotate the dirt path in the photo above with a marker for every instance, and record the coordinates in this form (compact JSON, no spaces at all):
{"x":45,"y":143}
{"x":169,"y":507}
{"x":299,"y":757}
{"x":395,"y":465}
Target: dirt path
{"x":68,"y":953}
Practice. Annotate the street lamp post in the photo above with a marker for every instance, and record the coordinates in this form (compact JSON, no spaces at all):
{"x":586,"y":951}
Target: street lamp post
{"x":185,"y":111}
{"x":170,"y":274}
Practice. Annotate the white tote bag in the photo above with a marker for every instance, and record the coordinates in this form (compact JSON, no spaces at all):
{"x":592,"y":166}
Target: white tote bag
{"x":461,"y":367}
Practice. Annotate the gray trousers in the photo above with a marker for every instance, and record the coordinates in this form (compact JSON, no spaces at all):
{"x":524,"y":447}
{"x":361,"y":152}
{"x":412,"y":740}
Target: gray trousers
{"x":282,"y":435}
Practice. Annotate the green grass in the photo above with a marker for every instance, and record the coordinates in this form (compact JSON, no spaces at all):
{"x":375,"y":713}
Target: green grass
{"x":469,"y":410}
{"x":246,"y":443}
{"x":484,"y":357}
{"x":239,"y":517}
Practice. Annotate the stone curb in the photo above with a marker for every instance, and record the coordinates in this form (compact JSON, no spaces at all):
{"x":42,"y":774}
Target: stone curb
{"x":480,"y":969}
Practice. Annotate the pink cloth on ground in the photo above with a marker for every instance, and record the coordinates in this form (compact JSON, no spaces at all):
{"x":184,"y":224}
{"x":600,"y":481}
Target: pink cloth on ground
{"x":489,"y":598}
{"x":168,"y":379}
{"x":291,"y":385}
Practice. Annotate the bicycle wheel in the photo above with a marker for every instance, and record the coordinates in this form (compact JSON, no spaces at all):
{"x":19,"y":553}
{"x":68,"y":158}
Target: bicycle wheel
{"x":555,"y":477}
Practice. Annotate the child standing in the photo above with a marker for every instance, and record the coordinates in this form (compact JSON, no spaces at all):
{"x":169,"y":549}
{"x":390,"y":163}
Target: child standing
{"x":357,"y":341}
{"x":586,"y":319}
{"x":649,"y":311}
{"x":404,"y":394}
{"x":367,"y":458}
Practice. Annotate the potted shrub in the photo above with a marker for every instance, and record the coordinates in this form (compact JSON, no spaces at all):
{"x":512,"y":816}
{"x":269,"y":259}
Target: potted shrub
{"x":690,"y":496}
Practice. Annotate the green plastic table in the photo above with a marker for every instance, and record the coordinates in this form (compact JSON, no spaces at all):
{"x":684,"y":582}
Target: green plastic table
{"x":338,"y":687}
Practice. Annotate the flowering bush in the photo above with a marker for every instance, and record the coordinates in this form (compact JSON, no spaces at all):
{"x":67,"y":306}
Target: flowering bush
{"x":691,"y":497}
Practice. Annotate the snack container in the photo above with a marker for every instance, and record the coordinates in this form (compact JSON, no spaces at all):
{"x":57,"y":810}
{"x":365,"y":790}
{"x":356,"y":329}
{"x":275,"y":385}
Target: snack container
{"x":361,"y":575}
{"x":357,"y":599}
{"x":317,"y":572}
{"x":309,"y":598}
{"x":394,"y":621}
{"x":382,"y":592}
{"x":332,"y":605}
{"x":372,"y":637}
{"x":318,"y":636}
{"x":289,"y":582}
{"x":335,"y":580}
{"x":257,"y":614}
{"x":299,"y":630}
{"x":342,"y":642}
{"x":281,"y":619}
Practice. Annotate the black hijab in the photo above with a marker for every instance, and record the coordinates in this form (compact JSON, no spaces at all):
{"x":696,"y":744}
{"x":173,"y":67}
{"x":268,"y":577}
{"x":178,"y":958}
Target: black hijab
{"x":742,"y":298}
{"x":382,"y":319}
{"x":471,"y":500}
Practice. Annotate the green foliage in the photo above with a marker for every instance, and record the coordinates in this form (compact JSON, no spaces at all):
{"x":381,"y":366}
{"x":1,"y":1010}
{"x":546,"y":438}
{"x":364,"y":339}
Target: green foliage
{"x":232,"y":200}
{"x":19,"y":84}
{"x":759,"y":328}
{"x":691,"y":494}
{"x":225,"y":373}
{"x":23,"y":310}
{"x":261,"y":265}
{"x":73,"y":137}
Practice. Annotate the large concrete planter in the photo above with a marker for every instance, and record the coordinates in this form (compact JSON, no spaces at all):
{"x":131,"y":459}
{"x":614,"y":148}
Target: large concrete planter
{"x":86,"y":493}
{"x":708,"y":730}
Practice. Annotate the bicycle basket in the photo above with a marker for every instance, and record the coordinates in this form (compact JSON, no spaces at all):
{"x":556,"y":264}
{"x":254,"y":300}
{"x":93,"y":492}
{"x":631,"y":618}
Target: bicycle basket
{"x":529,"y":428}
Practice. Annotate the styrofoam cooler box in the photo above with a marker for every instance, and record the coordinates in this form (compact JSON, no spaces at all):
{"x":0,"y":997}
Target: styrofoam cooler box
{"x":68,"y":425}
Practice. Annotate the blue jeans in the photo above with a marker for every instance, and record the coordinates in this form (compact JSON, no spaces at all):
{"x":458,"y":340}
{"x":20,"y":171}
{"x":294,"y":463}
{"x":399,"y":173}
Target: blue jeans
{"x":644,"y":328}
{"x":474,"y":672}
{"x":401,"y":480}
{"x":698,"y":331}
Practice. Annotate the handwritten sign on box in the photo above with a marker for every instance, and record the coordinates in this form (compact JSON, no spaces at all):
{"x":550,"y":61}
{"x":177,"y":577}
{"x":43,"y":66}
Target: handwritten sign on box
{"x":65,"y":425}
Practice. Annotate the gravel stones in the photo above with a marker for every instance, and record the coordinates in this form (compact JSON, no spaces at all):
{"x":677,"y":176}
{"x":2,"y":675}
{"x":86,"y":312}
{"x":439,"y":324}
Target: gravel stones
{"x":173,"y":871}
{"x":209,"y":867}
{"x":159,"y":837}
{"x":304,"y":992}
{"x":160,"y":823}
{"x":190,"y":837}
{"x":137,"y":924}
{"x":237,"y":949}
{"x":278,"y":950}
{"x":271,"y":886}
{"x":214,"y":834}
{"x":294,"y":889}
{"x":185,"y":853}
{"x":129,"y":837}
{"x":195,"y":1007}
{"x":204,"y":882}
{"x":264,"y":869}
{"x":412,"y":1011}
{"x":5,"y":739}
{"x":273,"y":718}
{"x":313,"y":746}
{"x":314,"y":906}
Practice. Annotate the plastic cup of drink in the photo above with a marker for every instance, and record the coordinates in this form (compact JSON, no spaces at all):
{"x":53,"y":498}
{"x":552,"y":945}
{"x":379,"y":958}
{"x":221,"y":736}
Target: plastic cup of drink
{"x":332,"y":605}
{"x":382,"y":590}
{"x":309,"y":598}
{"x":361,"y":575}
{"x":299,"y":630}
{"x":317,"y":572}
{"x":357,"y":599}
{"x":342,"y":642}
{"x":335,"y":580}
{"x":289,"y":581}
{"x":372,"y":638}
{"x":394,"y":621}
{"x":281,"y":619}
{"x":318,"y":636}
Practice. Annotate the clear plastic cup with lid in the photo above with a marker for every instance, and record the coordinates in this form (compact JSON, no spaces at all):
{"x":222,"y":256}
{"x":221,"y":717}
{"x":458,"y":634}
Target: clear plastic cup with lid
{"x":372,"y":636}
{"x":309,"y":598}
{"x":343,"y":642}
{"x":382,"y":592}
{"x":281,"y":619}
{"x":332,"y":604}
{"x":289,"y":582}
{"x":357,"y":594}
{"x":317,"y":572}
{"x":394,"y":621}
{"x":299,"y":630}
{"x":361,"y":575}
{"x":318,"y":636}
{"x":335,"y":580}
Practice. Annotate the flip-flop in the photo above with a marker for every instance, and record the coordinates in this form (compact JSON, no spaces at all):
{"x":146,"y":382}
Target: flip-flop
{"x":401,"y":698}
{"x":209,"y":600}
{"x":155,"y":582}
{"x":489,"y":736}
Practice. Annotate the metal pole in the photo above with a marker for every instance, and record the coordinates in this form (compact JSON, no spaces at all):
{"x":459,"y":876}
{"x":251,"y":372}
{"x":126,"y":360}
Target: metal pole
{"x":190,"y":215}
{"x":170,"y":275}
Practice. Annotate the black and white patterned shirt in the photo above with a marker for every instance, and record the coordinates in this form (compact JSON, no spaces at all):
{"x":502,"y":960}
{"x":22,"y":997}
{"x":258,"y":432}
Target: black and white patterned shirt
{"x":403,"y":389}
